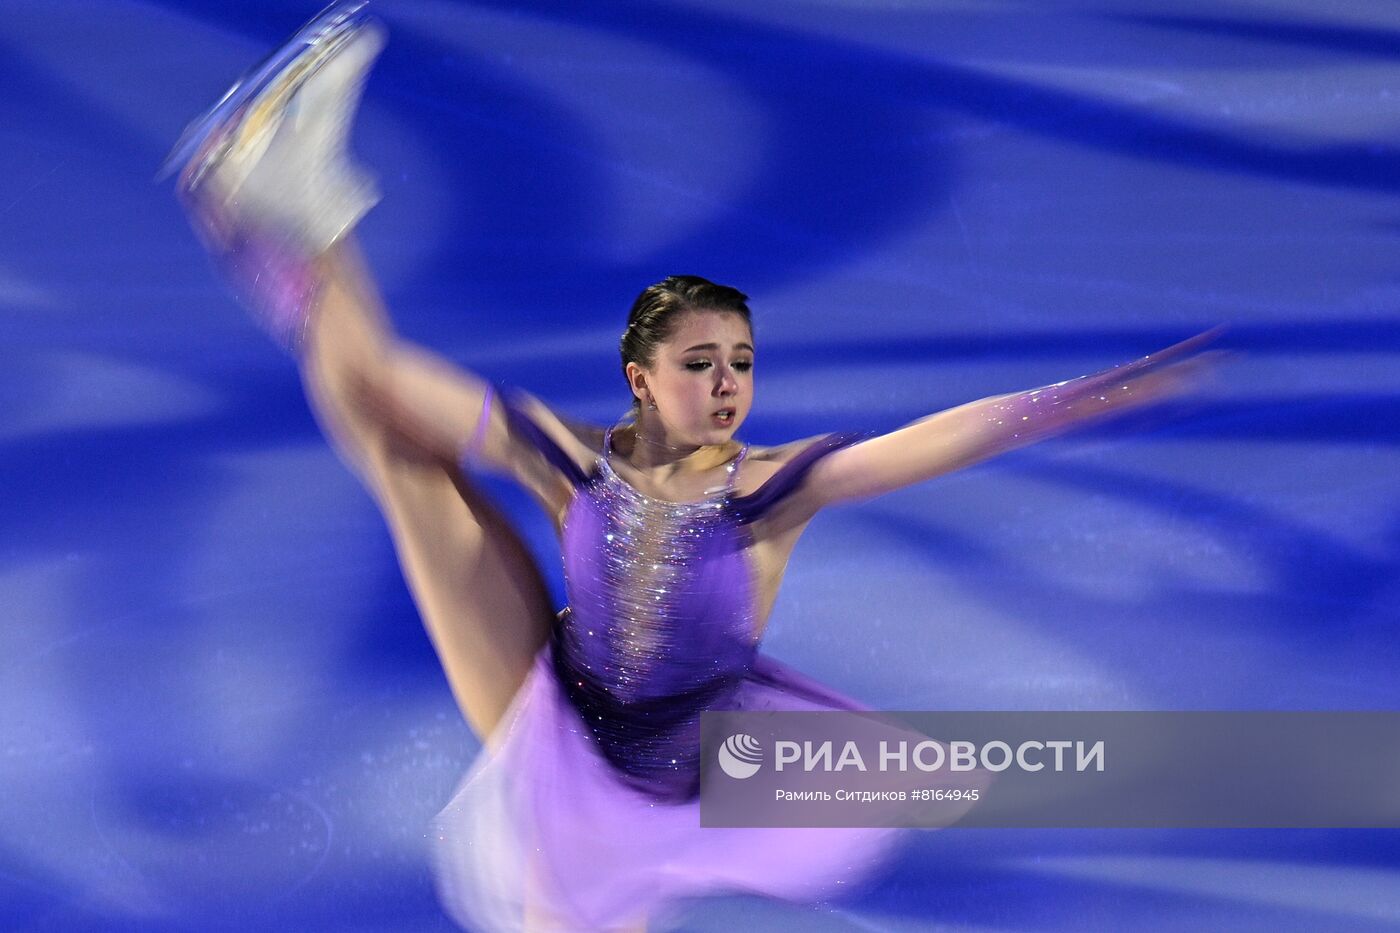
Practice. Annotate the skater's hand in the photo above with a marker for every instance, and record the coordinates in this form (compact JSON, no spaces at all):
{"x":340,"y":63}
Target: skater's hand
{"x":1179,"y":370}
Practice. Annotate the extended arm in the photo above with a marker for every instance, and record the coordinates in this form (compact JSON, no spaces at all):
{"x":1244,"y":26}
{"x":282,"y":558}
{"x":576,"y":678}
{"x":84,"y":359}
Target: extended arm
{"x":968,"y":434}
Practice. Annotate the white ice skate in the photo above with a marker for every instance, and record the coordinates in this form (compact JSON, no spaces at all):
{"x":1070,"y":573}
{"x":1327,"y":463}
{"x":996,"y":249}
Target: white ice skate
{"x":265,"y":175}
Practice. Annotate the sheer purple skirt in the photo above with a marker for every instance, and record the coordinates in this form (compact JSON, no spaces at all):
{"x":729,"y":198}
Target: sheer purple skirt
{"x":542,"y":827}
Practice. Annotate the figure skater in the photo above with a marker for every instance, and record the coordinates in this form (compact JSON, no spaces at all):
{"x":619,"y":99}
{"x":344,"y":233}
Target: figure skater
{"x":581,"y":812}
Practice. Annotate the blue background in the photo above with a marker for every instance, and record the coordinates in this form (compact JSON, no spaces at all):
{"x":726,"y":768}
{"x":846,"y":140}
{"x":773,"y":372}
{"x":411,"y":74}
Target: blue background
{"x":217,"y":707}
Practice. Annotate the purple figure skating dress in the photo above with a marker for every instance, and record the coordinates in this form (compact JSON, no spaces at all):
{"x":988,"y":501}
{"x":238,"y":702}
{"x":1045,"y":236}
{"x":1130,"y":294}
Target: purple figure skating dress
{"x":582,"y":810}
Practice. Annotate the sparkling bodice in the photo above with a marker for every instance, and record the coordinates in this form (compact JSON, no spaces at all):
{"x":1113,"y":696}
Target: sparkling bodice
{"x":662,"y":602}
{"x":660,"y":621}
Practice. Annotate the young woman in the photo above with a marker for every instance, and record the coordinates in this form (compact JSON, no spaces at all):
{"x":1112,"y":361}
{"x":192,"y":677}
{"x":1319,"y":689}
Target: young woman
{"x":581,"y":811}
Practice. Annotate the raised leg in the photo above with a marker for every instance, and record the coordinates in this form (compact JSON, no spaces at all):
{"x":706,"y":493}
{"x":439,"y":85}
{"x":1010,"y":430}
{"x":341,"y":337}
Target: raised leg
{"x":271,"y":189}
{"x":480,"y":594}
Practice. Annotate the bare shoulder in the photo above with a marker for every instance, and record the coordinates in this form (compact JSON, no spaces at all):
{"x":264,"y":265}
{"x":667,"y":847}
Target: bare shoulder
{"x":782,"y":453}
{"x":762,"y":463}
{"x":581,"y":440}
{"x":587,"y":436}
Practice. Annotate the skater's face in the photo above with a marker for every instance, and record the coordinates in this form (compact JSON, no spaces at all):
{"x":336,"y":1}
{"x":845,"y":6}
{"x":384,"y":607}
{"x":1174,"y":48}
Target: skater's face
{"x":701,"y":380}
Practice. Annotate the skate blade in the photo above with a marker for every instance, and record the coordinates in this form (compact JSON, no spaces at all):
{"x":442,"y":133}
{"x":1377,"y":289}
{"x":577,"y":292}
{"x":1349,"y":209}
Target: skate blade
{"x":317,"y":40}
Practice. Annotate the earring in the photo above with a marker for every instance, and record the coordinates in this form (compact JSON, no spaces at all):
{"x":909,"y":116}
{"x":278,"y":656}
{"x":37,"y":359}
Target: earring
{"x":651,"y":406}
